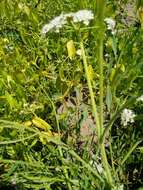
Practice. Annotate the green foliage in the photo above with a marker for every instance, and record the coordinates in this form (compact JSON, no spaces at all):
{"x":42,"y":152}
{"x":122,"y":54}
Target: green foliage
{"x":45,"y":109}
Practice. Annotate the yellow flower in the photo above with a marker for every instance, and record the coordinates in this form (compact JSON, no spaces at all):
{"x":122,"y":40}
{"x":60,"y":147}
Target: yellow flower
{"x":71,"y":49}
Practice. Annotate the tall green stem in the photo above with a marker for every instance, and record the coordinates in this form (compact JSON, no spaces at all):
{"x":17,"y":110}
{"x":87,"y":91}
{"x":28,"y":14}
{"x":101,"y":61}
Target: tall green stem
{"x":100,"y":21}
{"x":101,"y":78}
{"x":98,"y":126}
{"x":94,"y":107}
{"x":100,"y":4}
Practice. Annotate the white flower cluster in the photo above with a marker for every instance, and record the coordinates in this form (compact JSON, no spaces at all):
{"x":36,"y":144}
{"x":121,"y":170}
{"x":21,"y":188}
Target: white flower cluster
{"x":110,"y":25}
{"x":127,"y":116}
{"x":58,"y":22}
{"x":83,"y":16}
{"x":140,"y":98}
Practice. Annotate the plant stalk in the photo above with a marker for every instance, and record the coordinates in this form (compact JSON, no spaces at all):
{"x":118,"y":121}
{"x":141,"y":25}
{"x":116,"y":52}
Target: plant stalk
{"x":98,"y":126}
{"x":94,"y":107}
{"x":101,"y":4}
{"x":99,"y":118}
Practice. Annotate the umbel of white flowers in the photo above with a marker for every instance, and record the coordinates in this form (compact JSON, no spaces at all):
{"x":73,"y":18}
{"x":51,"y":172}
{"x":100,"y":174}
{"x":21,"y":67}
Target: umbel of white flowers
{"x":110,"y":25}
{"x":58,"y":22}
{"x":127,"y":116}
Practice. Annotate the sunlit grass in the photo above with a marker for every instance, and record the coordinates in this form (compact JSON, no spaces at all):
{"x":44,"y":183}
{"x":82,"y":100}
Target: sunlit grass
{"x":62,"y":96}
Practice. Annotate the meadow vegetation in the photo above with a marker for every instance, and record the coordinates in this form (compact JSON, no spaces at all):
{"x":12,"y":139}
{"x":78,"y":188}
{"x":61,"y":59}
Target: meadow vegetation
{"x":71,"y":97}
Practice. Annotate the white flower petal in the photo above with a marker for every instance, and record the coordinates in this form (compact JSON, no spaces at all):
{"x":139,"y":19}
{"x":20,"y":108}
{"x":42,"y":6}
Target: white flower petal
{"x":127,"y":116}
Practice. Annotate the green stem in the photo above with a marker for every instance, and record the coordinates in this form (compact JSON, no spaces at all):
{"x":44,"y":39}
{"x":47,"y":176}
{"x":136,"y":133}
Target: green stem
{"x":100,"y":20}
{"x":19,"y":140}
{"x":98,"y":126}
{"x":106,"y":165}
{"x":101,"y":78}
{"x":94,"y":107}
{"x":130,"y":152}
{"x":99,"y":119}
